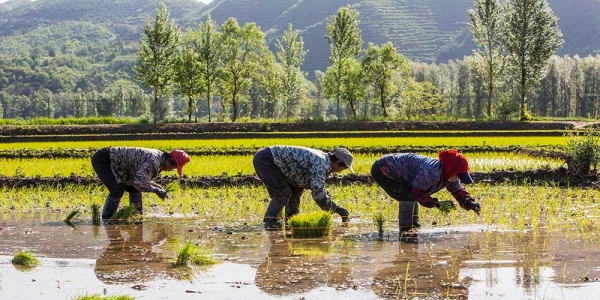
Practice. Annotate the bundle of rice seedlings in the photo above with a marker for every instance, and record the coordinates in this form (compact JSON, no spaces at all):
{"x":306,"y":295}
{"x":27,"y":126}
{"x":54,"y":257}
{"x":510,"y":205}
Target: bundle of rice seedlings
{"x":379,"y":220}
{"x":446,"y":206}
{"x":96,"y":214}
{"x":309,"y":225}
{"x":191,"y":254}
{"x":25,"y":259}
{"x":73,"y":214}
{"x":172,"y":187}
{"x":124,"y":214}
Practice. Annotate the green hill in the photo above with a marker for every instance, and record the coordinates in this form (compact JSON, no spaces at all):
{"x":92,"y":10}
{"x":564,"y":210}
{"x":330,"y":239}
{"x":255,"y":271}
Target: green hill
{"x":425,"y":30}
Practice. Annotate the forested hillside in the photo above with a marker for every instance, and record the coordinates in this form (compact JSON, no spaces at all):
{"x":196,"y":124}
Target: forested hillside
{"x":76,"y":57}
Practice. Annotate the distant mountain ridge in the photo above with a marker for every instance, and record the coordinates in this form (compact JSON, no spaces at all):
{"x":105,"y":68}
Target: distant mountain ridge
{"x":424,"y":30}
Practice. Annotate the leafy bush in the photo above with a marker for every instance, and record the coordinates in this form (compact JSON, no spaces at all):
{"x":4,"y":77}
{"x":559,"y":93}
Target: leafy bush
{"x":583,"y":150}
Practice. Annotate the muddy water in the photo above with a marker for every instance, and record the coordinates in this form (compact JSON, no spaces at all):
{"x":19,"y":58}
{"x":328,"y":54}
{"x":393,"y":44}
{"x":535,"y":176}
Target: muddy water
{"x":457,"y":263}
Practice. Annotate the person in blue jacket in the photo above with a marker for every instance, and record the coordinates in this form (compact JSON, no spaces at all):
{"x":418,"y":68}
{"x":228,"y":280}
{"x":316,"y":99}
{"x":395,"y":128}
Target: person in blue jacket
{"x":410,"y":178}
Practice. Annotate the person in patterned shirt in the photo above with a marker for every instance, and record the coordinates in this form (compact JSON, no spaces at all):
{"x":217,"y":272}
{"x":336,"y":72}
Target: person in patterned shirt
{"x":411,"y":178}
{"x":132,"y":169}
{"x":287,"y":170}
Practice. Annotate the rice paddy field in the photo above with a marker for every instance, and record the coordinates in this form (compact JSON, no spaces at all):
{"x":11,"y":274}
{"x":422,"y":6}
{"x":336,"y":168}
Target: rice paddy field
{"x":533,"y":239}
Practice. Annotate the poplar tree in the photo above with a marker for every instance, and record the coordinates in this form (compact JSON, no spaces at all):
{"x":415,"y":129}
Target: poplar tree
{"x":290,"y":54}
{"x":532,"y":37}
{"x":345,"y":42}
{"x":157,"y":56}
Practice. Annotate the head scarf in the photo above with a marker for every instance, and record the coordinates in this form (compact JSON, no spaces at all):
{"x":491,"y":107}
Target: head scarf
{"x":453,"y":163}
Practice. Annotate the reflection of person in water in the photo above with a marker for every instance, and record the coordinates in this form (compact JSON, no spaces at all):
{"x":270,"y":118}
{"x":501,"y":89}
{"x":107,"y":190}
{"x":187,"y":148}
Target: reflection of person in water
{"x":298,"y":265}
{"x":129,"y":256}
{"x":423,"y":274}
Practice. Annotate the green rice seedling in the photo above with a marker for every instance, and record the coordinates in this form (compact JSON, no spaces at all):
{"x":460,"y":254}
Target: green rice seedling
{"x":96,"y":214}
{"x":73,"y":214}
{"x":172,"y":187}
{"x":379,"y":220}
{"x":447,"y":206}
{"x":124,"y":214}
{"x":191,"y":254}
{"x":100,"y":297}
{"x":309,"y":225}
{"x":25,"y":259}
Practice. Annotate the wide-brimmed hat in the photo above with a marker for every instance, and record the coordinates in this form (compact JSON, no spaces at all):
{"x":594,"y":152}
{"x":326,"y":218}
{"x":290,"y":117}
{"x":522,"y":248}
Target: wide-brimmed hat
{"x":345,"y":156}
{"x":181,"y":158}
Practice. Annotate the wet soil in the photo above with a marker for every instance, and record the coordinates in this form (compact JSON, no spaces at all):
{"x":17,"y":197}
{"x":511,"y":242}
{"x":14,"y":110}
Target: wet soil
{"x":471,"y":262}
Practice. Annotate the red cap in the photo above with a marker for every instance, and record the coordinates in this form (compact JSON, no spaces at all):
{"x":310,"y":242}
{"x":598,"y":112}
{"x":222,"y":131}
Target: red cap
{"x":181,"y":158}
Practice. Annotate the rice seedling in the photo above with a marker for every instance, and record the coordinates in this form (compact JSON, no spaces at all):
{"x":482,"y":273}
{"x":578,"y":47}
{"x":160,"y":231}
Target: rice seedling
{"x":125,"y":214}
{"x":73,"y":214}
{"x":309,"y":225}
{"x":25,"y":259}
{"x":446,"y":206}
{"x":100,"y":297}
{"x":191,"y":254}
{"x":172,"y":187}
{"x":96,"y":214}
{"x":379,"y":220}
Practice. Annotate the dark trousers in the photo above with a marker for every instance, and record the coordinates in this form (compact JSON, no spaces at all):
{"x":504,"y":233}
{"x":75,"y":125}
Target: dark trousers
{"x":101,"y":164}
{"x":408,"y":208}
{"x":281,"y":192}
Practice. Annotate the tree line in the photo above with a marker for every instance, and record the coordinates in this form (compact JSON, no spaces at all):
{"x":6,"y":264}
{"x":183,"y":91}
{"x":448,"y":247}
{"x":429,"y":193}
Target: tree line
{"x":227,"y":73}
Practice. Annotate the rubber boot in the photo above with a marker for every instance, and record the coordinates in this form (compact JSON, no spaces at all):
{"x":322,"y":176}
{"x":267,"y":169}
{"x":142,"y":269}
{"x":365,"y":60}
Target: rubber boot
{"x":406,"y":220}
{"x":271,"y":218}
{"x":110,"y":207}
{"x":405,"y":215}
{"x":135,"y":199}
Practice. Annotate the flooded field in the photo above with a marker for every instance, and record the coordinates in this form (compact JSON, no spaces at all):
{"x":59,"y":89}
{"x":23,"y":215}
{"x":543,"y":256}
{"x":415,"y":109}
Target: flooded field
{"x":470,"y":262}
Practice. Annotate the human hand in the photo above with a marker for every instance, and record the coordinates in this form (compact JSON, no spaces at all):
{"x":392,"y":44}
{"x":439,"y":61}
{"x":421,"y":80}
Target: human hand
{"x":343,"y":213}
{"x":470,"y":204}
{"x":161,"y":193}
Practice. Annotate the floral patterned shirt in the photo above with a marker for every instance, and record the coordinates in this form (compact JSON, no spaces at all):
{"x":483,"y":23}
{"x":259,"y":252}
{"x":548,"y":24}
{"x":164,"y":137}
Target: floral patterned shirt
{"x":307,"y":168}
{"x":136,"y":167}
{"x":423,"y":175}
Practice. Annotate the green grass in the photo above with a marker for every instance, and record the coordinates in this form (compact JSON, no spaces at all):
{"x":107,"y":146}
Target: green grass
{"x":191,"y":254}
{"x":309,"y":225}
{"x":172,"y":187}
{"x":25,"y":259}
{"x":96,"y":214}
{"x":446,"y":206}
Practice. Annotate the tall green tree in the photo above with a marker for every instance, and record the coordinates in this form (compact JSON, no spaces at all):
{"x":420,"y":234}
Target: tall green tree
{"x":157,"y":56}
{"x":290,"y":53}
{"x":241,"y":49}
{"x":188,"y":75}
{"x":381,"y":65}
{"x":487,"y":29}
{"x":343,"y":36}
{"x":208,"y":49}
{"x":532,"y":37}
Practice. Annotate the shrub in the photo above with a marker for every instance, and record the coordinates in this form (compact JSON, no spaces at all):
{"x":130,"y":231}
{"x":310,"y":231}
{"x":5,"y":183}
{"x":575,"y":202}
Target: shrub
{"x":583,"y":150}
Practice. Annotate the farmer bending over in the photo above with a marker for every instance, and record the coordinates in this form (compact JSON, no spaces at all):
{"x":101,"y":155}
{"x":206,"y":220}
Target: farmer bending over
{"x":411,"y":178}
{"x":132,"y":169}
{"x":288,"y":170}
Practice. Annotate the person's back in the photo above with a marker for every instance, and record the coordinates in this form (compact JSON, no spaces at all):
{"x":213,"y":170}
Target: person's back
{"x":301,"y":164}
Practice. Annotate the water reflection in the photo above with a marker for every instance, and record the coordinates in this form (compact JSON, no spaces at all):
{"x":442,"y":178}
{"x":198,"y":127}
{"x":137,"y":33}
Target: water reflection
{"x":294,"y":266}
{"x":131,"y":255}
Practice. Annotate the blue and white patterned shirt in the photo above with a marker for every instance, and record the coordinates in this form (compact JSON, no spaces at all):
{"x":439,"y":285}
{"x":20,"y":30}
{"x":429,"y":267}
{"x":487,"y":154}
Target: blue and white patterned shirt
{"x":306,"y":168}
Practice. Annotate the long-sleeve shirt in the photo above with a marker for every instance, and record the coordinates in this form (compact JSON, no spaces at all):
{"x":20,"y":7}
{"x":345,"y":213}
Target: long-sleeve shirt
{"x":306,"y":168}
{"x":136,"y":167}
{"x":423,"y":175}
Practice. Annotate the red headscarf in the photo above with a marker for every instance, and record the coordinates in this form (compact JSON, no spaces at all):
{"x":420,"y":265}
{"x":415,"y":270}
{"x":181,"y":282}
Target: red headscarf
{"x":453,"y":163}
